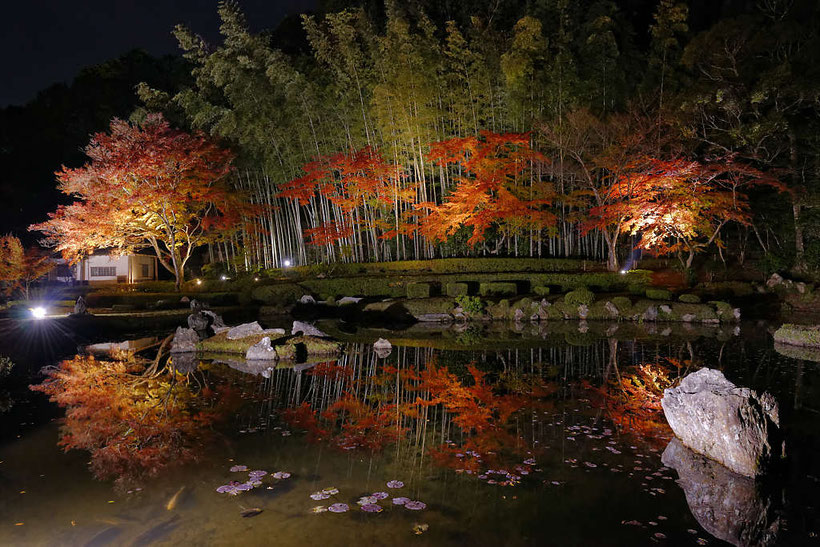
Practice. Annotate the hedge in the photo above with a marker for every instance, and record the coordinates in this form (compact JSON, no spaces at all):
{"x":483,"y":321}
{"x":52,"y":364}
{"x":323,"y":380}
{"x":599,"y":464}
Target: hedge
{"x":658,"y":294}
{"x":689,"y":298}
{"x":497,"y":289}
{"x":456,"y":289}
{"x":579,"y":296}
{"x":419,"y":290}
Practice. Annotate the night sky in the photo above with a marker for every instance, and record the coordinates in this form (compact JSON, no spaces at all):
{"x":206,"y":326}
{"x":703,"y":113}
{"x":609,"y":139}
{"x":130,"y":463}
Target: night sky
{"x":44,"y":42}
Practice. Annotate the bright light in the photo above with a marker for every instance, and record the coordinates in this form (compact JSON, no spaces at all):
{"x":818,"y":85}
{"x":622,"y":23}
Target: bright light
{"x":199,"y":282}
{"x":39,"y":312}
{"x":287,"y":263}
{"x":256,"y":279}
{"x":224,"y":277}
{"x":623,"y":272}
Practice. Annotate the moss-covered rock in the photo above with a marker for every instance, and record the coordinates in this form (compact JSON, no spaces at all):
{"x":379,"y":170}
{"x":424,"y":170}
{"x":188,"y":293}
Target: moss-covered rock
{"x":579,"y":296}
{"x":623,"y":303}
{"x":497,"y":289}
{"x":499,"y":310}
{"x":658,"y":294}
{"x":288,"y":348}
{"x":454,"y":290}
{"x":798,"y":335}
{"x":689,"y":299}
{"x":725,"y":312}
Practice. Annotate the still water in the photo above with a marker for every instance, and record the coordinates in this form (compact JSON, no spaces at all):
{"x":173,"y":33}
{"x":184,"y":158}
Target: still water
{"x":483,"y":436}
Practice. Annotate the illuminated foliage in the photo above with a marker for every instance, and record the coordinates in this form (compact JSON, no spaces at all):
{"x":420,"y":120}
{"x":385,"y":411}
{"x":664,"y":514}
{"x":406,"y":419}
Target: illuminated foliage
{"x":146,"y":186}
{"x":501,"y":185}
{"x":134,"y":426}
{"x":19,"y":267}
{"x":680,"y":206}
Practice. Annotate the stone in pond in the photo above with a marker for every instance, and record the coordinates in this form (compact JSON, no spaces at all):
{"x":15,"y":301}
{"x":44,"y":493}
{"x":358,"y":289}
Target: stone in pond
{"x":198,"y":321}
{"x":244,"y":330}
{"x":185,"y":340}
{"x":307,"y":299}
{"x":306,"y":329}
{"x":216,"y":320}
{"x":731,"y":425}
{"x":382,"y":347}
{"x":80,"y":307}
{"x":729,"y":506}
{"x":345,"y":300}
{"x":261,"y":351}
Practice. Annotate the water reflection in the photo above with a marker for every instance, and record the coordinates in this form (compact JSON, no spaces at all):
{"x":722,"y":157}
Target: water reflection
{"x":508,"y":437}
{"x":729,"y":506}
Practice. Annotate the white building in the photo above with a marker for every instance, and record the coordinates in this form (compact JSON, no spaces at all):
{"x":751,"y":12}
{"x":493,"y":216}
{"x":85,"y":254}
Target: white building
{"x":104,"y":269}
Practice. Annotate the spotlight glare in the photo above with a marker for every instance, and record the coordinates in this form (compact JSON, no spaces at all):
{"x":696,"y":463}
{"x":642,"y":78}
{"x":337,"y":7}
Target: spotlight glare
{"x":199,"y":282}
{"x":623,"y":272}
{"x":39,"y":312}
{"x":287,"y":263}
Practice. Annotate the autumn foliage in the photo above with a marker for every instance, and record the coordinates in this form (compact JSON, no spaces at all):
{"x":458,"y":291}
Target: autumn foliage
{"x":133,"y":426}
{"x":146,"y":186}
{"x":19,"y":267}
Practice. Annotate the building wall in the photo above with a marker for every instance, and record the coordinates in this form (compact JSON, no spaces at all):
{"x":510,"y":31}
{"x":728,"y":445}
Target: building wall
{"x":100,"y":269}
{"x":142,"y":268}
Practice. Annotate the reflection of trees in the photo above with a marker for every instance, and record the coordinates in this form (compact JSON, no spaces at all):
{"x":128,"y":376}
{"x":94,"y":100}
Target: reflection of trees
{"x":135,"y":420}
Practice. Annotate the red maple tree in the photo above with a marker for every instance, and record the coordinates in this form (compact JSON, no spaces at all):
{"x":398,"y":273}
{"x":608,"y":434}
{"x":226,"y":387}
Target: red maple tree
{"x":19,"y":267}
{"x":499,"y":184}
{"x":147,"y":186}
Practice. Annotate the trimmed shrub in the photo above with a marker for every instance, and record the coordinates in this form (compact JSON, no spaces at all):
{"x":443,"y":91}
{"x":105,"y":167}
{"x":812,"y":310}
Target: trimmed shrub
{"x":418,"y":290}
{"x":497,"y":289}
{"x":689,"y":298}
{"x":280,"y":294}
{"x":579,"y":296}
{"x":637,"y":290}
{"x":622,"y":303}
{"x":540,"y":290}
{"x":658,"y":294}
{"x":455,"y":290}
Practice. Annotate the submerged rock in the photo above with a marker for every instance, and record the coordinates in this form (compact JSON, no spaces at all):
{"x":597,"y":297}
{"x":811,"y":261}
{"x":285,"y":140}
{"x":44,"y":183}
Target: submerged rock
{"x":185,"y":340}
{"x":729,"y":506}
{"x":244,"y":330}
{"x":306,"y":329}
{"x":261,"y":351}
{"x":731,"y":425}
{"x":382,"y":347}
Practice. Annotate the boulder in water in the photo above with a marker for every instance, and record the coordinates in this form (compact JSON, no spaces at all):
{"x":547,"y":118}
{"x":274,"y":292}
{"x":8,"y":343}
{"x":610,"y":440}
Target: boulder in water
{"x":261,"y":351}
{"x":185,"y":340}
{"x":306,"y":329}
{"x":307,"y":299}
{"x":198,"y":321}
{"x":731,"y":425}
{"x":80,"y":307}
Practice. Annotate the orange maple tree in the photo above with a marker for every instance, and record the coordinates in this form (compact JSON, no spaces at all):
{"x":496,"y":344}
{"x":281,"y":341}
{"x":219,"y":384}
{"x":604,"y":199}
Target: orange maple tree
{"x":500,"y":184}
{"x":19,"y":267}
{"x":679,"y":206}
{"x":147,"y":186}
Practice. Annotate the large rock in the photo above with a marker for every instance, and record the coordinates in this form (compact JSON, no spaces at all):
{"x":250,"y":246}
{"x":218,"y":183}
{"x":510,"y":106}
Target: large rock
{"x":198,"y":321}
{"x":185,"y":340}
{"x":729,"y":506}
{"x":244,"y":330}
{"x":261,"y":351}
{"x":307,"y":299}
{"x":345,"y":300}
{"x":731,"y":425}
{"x":306,"y":329}
{"x":80,"y":307}
{"x":215,"y":320}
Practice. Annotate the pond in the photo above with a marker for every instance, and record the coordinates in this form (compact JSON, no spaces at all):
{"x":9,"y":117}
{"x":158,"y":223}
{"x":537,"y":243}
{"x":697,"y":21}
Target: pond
{"x":487,"y":435}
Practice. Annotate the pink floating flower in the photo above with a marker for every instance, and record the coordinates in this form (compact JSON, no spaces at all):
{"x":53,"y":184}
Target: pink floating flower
{"x":237,"y":468}
{"x":395,"y":484}
{"x":371,"y":508}
{"x":415,"y":505}
{"x":400,"y":500}
{"x":319,"y":496}
{"x":380,"y":495}
{"x":338,"y":508}
{"x":258,"y":474}
{"x":281,"y":475}
{"x":367,"y":500}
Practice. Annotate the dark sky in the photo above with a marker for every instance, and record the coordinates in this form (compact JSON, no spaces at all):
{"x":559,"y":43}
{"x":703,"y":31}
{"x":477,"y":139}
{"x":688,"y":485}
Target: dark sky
{"x":43,"y":42}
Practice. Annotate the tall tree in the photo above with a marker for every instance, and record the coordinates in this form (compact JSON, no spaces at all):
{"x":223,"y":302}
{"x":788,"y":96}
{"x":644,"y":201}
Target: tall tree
{"x":146,"y":186}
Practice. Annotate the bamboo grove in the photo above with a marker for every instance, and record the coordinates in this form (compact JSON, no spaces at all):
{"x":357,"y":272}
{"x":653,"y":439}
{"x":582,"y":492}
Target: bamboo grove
{"x":408,"y":136}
